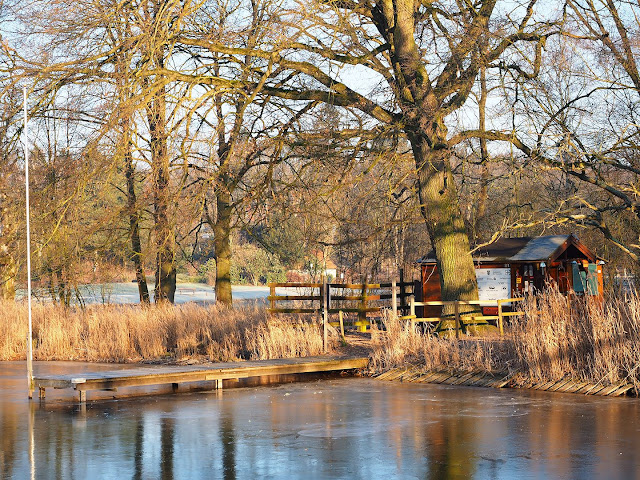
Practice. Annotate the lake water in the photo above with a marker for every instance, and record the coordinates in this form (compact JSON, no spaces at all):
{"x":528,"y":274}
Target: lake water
{"x":332,"y":428}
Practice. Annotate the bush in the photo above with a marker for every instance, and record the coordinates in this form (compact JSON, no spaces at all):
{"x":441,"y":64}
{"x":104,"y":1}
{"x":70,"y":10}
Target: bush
{"x":255,"y":266}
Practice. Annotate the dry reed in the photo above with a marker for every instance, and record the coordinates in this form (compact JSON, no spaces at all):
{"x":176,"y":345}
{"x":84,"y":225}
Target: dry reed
{"x":581,"y":338}
{"x":126,"y":333}
{"x":557,"y":338}
{"x":401,"y":345}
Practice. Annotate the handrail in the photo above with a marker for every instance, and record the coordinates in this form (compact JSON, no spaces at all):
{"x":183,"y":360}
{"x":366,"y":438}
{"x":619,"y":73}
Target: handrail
{"x":466,"y":302}
{"x":456,"y":303}
{"x":341,"y":297}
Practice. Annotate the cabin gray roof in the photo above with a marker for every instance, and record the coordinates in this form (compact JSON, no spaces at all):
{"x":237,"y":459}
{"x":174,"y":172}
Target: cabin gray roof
{"x":521,"y":249}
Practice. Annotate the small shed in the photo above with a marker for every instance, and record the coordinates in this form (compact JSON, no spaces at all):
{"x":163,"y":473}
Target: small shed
{"x":512,"y":267}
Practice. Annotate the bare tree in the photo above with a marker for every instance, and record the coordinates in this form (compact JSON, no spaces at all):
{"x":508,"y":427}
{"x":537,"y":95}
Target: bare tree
{"x":426,"y":57}
{"x":581,"y":121}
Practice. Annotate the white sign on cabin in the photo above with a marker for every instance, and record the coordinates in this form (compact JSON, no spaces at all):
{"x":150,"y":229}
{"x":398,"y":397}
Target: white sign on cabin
{"x":493,"y":283}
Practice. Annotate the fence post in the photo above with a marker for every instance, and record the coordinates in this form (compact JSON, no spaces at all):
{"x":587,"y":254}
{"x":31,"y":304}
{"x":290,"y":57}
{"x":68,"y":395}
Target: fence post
{"x":456,"y":309}
{"x":341,"y":316}
{"x":362,"y":314}
{"x":394,"y":299}
{"x":500,"y":318}
{"x":412,"y":311}
{"x":325,"y":313}
{"x":272,"y":294}
{"x":403,"y":293}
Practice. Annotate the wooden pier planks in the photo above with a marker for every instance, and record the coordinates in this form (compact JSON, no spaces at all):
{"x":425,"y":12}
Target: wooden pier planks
{"x":174,"y":374}
{"x":485,"y":379}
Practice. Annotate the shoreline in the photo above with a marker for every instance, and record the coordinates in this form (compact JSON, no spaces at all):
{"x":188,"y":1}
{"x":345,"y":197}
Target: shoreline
{"x":480,"y":378}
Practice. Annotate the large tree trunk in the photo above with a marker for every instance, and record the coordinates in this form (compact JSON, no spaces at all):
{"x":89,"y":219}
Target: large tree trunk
{"x":134,"y":228}
{"x":7,"y":263}
{"x":439,"y":204}
{"x":165,"y":276}
{"x":423,"y":118}
{"x":222,"y":239}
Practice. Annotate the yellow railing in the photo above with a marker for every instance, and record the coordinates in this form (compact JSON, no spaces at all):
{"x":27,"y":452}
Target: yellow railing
{"x":456,"y":309}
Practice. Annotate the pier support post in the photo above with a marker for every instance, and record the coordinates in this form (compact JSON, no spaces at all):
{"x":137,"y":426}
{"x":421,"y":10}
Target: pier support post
{"x":174,"y":387}
{"x":82,"y":396}
{"x":41,"y":393}
{"x":219,"y":384}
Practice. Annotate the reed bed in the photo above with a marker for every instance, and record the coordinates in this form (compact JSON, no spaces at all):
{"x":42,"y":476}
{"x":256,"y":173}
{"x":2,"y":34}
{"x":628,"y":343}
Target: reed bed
{"x":557,"y":338}
{"x":127,"y":333}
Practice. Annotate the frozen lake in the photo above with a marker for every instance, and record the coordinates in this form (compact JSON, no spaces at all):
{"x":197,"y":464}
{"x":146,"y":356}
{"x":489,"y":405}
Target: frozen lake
{"x":185,"y":292}
{"x":350,"y":428}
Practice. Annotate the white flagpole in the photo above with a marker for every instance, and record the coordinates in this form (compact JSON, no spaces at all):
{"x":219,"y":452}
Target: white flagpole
{"x":26,"y":179}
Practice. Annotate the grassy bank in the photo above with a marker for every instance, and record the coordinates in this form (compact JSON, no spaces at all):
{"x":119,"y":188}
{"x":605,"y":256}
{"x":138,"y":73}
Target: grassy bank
{"x":128,"y":333}
{"x":591,"y":342}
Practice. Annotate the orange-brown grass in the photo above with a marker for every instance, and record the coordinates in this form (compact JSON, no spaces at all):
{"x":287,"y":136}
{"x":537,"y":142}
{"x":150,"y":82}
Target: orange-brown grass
{"x":556,"y":338}
{"x":401,"y":345}
{"x":579,"y":338}
{"x":123,"y":333}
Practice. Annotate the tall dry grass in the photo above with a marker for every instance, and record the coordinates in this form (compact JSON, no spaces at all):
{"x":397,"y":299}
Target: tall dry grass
{"x":123,"y":333}
{"x":401,"y":345}
{"x":556,"y":338}
{"x":580,"y":338}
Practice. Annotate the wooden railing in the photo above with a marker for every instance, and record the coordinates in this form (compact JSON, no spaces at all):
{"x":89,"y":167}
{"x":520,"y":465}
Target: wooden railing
{"x":456,"y":309}
{"x":318,"y":299}
{"x":340,"y":298}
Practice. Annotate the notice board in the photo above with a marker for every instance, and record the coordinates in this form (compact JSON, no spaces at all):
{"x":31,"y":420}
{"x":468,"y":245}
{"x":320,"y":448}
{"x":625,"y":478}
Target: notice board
{"x":493,"y":283}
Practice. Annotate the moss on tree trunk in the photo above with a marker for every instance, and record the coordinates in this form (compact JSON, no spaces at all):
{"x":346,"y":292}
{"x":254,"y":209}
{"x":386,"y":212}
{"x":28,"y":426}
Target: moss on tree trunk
{"x":222,"y":239}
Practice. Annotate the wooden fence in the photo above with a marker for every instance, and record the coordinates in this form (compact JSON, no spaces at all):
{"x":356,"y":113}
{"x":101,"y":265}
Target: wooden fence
{"x":327,"y":298}
{"x":340,"y":298}
{"x":458,"y":317}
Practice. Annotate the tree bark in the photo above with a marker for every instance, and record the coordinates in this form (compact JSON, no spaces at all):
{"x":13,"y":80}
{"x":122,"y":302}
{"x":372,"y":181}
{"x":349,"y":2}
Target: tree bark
{"x":423,"y":121}
{"x":481,"y":205}
{"x":222,"y":241}
{"x":124,"y":85}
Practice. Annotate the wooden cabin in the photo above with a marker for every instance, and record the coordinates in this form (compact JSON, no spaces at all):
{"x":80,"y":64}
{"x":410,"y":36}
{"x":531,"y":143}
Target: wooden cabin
{"x":512,"y":267}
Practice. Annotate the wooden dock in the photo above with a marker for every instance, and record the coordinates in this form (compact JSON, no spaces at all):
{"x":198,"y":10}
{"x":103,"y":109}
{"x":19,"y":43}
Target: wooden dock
{"x":175,"y":375}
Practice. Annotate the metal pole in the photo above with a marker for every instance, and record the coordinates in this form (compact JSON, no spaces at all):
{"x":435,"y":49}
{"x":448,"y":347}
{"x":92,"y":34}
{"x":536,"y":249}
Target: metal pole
{"x":26,"y":181}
